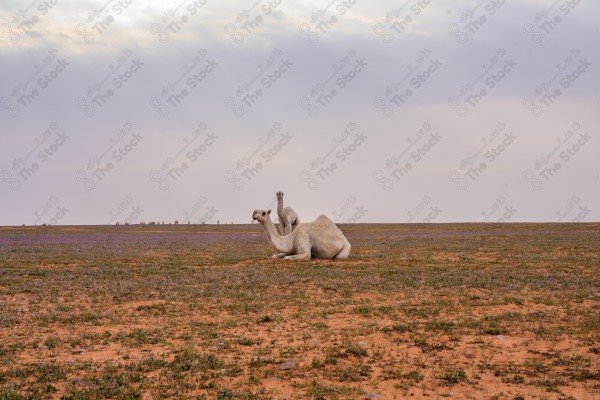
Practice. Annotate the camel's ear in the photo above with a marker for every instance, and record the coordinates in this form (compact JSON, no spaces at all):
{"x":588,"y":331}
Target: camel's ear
{"x":269,"y":212}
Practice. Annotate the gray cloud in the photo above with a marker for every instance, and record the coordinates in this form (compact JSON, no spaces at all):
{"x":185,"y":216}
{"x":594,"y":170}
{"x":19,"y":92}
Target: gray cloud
{"x":389,"y":137}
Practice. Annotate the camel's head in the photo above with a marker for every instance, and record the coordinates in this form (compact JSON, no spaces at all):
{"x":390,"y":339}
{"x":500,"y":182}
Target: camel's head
{"x":279,"y":195}
{"x":261,"y":215}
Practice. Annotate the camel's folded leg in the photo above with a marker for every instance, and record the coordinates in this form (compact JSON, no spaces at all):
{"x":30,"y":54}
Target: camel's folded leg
{"x":344,"y":252}
{"x":301,"y":256}
{"x":279,"y":255}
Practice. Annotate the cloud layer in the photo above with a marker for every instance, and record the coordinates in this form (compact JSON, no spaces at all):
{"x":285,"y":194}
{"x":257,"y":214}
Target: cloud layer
{"x":399,"y":111}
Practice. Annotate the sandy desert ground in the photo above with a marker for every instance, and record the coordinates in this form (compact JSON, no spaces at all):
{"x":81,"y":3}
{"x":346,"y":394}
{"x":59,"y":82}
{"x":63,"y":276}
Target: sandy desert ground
{"x":472,"y":311}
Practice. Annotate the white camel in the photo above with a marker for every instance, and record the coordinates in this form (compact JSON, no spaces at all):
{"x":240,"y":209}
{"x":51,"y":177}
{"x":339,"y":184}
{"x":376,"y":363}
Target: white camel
{"x":319,"y":239}
{"x":288,"y":219}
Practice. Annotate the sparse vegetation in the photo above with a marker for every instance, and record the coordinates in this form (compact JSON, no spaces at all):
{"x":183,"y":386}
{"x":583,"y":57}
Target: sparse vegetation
{"x":184,"y":311}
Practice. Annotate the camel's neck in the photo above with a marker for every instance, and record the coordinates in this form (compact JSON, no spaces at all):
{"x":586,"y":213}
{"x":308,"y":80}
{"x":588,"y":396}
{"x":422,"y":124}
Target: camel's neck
{"x":281,"y":244}
{"x":279,"y":206}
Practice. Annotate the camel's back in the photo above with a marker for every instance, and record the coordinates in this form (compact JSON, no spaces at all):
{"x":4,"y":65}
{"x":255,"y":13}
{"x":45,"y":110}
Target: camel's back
{"x":323,"y":220}
{"x":325,"y":227}
{"x":322,"y":236}
{"x":326,"y":238}
{"x":289,"y":211}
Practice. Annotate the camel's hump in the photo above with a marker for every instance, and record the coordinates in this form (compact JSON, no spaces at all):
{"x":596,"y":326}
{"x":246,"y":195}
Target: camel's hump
{"x":323,"y":218}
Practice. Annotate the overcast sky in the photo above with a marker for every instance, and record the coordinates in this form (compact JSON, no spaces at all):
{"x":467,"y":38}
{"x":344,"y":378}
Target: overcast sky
{"x":367,"y":111}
